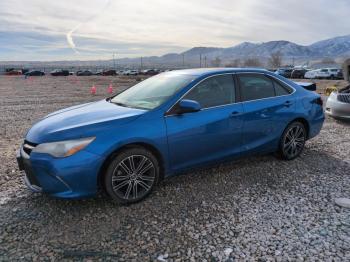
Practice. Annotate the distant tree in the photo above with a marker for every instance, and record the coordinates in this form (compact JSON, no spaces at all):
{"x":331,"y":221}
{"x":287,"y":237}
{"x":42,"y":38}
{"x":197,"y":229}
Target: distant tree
{"x":252,"y":62}
{"x":275,"y":60}
{"x":234,"y":63}
{"x":216,"y":62}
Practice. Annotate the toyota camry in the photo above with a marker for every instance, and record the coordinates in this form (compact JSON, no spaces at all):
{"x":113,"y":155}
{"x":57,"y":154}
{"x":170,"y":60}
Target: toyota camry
{"x":125,"y":144}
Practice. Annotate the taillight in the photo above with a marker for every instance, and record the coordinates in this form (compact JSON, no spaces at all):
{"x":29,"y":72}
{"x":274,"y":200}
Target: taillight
{"x":318,"y":101}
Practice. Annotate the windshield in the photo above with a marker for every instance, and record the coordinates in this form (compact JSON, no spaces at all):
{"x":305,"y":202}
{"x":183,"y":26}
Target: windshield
{"x":152,"y":92}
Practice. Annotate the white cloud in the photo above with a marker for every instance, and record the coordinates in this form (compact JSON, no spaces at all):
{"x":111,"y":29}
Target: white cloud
{"x":154,"y":27}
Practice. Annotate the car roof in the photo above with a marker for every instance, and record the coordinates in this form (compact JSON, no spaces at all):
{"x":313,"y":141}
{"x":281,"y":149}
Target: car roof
{"x":210,"y":71}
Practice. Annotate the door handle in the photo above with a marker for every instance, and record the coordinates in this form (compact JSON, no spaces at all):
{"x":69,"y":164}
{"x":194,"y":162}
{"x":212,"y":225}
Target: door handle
{"x":235,"y":113}
{"x":288,"y":103}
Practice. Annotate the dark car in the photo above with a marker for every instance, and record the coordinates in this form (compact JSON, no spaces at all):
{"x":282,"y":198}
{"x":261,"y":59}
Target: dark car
{"x":285,"y":72}
{"x":84,"y":73}
{"x":60,"y":72}
{"x":340,"y":74}
{"x":35,"y":73}
{"x":110,"y":72}
{"x":150,"y":72}
{"x":298,"y":73}
{"x":14,"y":73}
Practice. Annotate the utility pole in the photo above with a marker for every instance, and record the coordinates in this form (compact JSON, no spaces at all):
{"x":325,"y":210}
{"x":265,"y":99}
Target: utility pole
{"x":205,"y":61}
{"x":200,"y":60}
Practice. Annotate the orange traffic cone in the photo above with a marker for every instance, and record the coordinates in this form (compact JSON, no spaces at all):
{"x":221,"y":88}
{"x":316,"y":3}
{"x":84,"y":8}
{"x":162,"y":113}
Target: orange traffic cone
{"x":110,"y":89}
{"x":93,"y":90}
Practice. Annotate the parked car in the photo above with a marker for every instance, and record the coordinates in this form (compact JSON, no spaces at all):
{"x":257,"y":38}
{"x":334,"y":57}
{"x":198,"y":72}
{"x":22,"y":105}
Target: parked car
{"x":150,"y":72}
{"x":285,"y":72}
{"x":59,"y":72}
{"x":340,"y":74}
{"x":164,"y":125}
{"x":131,"y":72}
{"x":99,"y":72}
{"x":35,"y":73}
{"x":13,"y":73}
{"x":84,"y":73}
{"x":312,"y":74}
{"x":329,"y":73}
{"x":298,"y":73}
{"x":324,"y":73}
{"x":338,"y":104}
{"x":110,"y":72}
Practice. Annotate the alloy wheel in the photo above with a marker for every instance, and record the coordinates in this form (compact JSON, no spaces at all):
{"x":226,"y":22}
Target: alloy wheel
{"x":133,"y":177}
{"x":294,"y":141}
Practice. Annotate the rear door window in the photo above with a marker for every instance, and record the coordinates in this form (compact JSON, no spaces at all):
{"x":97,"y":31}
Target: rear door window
{"x":254,"y":86}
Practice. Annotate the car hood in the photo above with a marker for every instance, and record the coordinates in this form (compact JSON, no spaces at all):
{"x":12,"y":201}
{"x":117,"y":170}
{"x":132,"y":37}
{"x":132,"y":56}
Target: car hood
{"x":81,"y":121}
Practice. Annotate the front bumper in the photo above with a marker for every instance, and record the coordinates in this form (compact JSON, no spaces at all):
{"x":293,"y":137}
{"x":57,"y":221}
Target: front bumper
{"x":29,"y":179}
{"x":72,"y":177}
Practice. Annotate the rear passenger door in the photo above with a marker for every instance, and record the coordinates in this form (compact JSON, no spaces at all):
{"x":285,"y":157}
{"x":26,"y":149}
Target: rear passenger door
{"x":268,"y":107}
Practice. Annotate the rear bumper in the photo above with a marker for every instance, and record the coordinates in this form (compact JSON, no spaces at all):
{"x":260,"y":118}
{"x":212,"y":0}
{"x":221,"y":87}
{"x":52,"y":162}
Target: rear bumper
{"x":72,"y":177}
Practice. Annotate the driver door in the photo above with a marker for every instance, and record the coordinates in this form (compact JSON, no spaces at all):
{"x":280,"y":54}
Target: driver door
{"x":212,"y":133}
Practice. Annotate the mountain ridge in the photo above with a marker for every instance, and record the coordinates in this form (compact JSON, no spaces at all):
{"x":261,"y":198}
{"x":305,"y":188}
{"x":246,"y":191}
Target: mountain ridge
{"x":336,"y":48}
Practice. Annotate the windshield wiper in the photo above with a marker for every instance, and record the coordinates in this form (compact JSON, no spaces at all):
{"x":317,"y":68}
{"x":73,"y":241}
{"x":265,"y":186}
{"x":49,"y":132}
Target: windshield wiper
{"x":128,"y":106}
{"x":119,"y":103}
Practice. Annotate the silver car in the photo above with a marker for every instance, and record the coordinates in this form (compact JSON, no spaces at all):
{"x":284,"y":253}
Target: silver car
{"x":338,"y":104}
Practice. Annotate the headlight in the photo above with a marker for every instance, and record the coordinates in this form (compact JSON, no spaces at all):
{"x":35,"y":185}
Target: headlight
{"x":63,"y":148}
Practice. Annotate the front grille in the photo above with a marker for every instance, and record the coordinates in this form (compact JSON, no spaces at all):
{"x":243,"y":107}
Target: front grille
{"x":28,"y":147}
{"x":345,"y":98}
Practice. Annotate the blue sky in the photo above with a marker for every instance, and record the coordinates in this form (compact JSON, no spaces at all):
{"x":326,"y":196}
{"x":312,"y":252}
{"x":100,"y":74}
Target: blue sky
{"x":94,"y":29}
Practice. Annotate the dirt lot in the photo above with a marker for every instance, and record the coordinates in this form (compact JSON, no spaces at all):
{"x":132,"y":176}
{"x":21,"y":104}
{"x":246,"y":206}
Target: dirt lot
{"x":259,"y":208}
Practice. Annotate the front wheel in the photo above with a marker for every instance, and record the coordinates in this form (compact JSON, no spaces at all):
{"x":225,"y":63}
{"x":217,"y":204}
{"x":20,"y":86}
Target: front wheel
{"x":292,"y":141}
{"x":132,"y":175}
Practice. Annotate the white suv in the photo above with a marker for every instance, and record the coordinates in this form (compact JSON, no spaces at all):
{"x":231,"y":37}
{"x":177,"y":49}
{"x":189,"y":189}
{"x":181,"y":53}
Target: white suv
{"x":324,"y":73}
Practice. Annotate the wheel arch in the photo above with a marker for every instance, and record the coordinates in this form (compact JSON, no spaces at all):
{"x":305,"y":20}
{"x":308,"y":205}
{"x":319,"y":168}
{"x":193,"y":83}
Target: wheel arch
{"x":155,"y":151}
{"x":304,"y":122}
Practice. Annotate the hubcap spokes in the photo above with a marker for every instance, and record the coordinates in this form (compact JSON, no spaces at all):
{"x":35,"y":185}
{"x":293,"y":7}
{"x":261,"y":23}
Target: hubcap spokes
{"x":133,"y":177}
{"x":294,"y":141}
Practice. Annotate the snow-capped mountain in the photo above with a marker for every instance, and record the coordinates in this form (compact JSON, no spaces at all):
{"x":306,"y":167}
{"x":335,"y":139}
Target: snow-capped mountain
{"x":333,"y":47}
{"x":338,"y":47}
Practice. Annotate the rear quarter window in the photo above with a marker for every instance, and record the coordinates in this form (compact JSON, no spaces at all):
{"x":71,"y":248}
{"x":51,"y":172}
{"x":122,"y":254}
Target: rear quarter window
{"x":281,"y":88}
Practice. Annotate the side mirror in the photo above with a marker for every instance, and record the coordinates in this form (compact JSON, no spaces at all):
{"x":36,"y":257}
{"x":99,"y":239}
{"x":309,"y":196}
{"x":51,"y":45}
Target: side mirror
{"x":188,"y":106}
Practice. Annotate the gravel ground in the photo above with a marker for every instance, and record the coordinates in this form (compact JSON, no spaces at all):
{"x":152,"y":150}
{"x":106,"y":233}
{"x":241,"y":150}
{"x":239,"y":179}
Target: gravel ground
{"x":258,"y":208}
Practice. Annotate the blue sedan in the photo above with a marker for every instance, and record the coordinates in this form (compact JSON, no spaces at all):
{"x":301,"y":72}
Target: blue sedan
{"x":164,"y":125}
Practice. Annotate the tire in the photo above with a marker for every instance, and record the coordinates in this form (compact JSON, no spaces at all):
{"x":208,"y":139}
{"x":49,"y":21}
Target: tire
{"x":292,"y":141}
{"x":131,"y":175}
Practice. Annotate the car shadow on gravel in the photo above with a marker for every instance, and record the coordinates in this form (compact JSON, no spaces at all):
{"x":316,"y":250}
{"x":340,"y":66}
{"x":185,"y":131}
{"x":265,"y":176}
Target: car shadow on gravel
{"x":258,"y":172}
{"x":239,"y":192}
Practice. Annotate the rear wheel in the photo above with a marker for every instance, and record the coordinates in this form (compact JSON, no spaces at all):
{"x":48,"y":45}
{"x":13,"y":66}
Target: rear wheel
{"x":292,"y":141}
{"x":132,"y":175}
